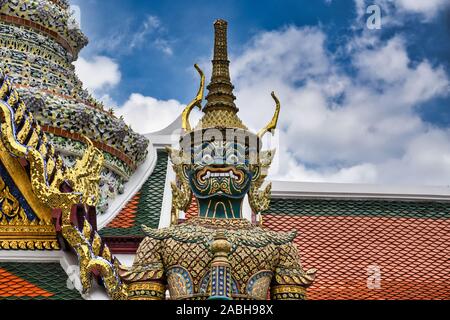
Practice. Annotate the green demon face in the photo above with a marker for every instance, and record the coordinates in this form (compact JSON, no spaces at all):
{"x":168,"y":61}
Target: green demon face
{"x":220,"y":169}
{"x":220,"y":176}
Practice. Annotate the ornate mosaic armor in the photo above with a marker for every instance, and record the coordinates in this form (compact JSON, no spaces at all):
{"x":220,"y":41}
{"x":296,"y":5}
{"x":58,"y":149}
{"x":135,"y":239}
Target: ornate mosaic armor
{"x":181,"y":256}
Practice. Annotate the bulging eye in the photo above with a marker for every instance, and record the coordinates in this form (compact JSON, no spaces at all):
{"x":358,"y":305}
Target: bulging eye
{"x":207,"y":158}
{"x":232,"y":159}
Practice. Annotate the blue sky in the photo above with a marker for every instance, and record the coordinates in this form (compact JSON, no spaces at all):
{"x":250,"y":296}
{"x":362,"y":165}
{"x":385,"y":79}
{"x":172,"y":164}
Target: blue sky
{"x":187,"y":27}
{"x":369,"y":104}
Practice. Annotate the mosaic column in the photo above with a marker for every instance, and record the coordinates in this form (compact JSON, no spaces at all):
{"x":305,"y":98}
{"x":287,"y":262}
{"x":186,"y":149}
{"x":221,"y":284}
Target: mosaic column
{"x":220,"y":268}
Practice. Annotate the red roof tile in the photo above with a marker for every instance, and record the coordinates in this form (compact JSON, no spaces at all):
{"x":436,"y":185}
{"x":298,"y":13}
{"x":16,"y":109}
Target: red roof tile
{"x":410,"y":254}
{"x":127,"y":216}
{"x":14,"y":286}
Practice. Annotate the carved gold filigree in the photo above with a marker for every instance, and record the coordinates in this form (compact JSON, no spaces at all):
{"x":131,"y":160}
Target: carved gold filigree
{"x":259,"y":199}
{"x":83,"y":178}
{"x":9,"y":205}
{"x":22,"y":234}
{"x":181,"y":191}
{"x":17,"y":232}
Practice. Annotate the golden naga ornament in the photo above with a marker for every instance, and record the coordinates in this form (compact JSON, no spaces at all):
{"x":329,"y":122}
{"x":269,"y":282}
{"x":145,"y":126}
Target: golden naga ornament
{"x":47,"y":176}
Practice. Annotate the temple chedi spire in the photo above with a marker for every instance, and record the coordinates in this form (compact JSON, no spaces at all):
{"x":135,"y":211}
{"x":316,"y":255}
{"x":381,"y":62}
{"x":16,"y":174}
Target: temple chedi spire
{"x":220,"y":109}
{"x":40,"y":41}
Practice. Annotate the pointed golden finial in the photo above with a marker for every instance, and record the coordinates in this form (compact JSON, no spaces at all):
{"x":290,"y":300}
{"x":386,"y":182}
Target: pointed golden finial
{"x":220,"y":88}
{"x":220,"y":109}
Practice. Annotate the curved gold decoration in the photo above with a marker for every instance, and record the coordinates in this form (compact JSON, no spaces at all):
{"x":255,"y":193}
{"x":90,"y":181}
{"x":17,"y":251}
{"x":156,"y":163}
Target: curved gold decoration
{"x":260,"y":199}
{"x":181,"y":191}
{"x":194,"y":103}
{"x":272,"y":125}
{"x":83,"y":178}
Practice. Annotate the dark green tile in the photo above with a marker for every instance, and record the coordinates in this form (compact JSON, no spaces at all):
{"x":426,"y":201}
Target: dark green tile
{"x":368,"y":208}
{"x":150,"y":202}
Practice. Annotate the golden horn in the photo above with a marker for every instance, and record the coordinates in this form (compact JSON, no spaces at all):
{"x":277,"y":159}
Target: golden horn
{"x":195,"y":103}
{"x":272,"y":125}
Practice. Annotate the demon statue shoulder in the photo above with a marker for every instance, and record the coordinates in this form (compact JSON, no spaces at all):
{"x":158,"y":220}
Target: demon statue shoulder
{"x":218,"y":254}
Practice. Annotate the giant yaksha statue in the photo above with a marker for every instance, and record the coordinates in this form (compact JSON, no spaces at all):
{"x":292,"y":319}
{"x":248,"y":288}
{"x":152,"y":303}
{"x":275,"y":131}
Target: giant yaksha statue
{"x":218,"y":255}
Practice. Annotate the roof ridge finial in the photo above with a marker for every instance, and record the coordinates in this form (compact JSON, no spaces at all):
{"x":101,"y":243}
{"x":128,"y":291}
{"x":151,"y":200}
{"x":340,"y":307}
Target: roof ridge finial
{"x":220,"y":88}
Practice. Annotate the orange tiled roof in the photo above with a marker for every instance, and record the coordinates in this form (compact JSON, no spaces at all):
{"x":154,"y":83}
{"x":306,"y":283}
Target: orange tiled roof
{"x":127,"y":216}
{"x":351,"y":242}
{"x":40,"y":281}
{"x":14,"y":286}
{"x":410,"y":254}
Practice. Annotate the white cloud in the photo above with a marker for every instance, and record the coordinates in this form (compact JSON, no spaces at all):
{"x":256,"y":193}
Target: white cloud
{"x":389,"y":65}
{"x":426,"y":161}
{"x":126,"y":37}
{"x":98,"y":73}
{"x":151,"y":24}
{"x":337,"y":127}
{"x":147,"y":114}
{"x":164,"y":46}
{"x":428,"y":8}
{"x":394,"y":12}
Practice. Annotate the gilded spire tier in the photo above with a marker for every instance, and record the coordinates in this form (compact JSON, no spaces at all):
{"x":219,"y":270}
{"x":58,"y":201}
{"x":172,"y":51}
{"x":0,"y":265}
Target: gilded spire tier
{"x":220,"y":110}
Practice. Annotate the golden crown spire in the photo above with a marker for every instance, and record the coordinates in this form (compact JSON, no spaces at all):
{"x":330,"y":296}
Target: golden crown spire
{"x":220,"y":88}
{"x":220,"y":110}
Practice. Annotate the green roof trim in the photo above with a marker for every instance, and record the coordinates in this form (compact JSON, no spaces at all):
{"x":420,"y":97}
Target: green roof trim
{"x":360,"y":208}
{"x":48,"y":276}
{"x":150,"y":202}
